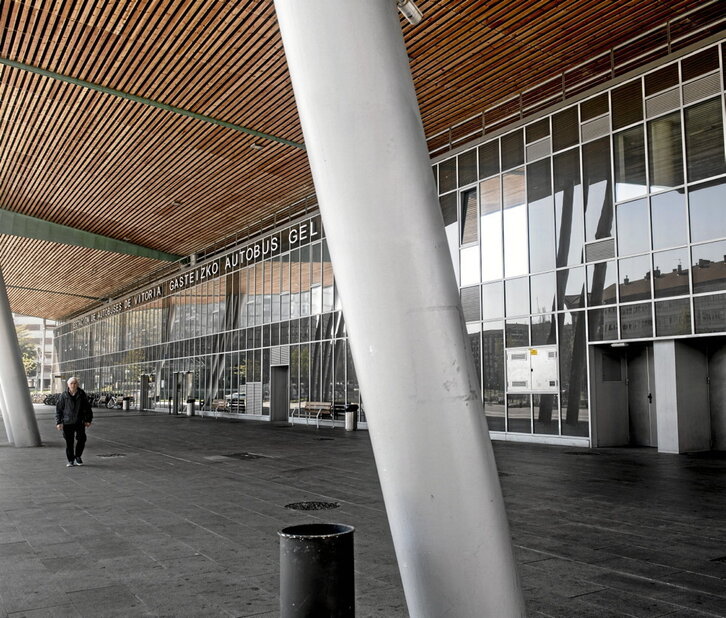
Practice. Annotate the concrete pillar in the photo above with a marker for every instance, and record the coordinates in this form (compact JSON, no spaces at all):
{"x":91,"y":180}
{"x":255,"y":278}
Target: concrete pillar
{"x":681,"y":390}
{"x":14,"y":385}
{"x":385,"y":232}
{"x":6,"y":420}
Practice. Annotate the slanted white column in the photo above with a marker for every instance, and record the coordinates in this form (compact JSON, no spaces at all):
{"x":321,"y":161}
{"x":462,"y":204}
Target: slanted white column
{"x":6,"y":421}
{"x":13,"y":383}
{"x":386,"y":236}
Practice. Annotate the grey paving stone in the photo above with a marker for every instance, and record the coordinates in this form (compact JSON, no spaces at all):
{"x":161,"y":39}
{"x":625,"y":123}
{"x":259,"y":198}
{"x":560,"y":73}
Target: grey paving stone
{"x":525,"y":555}
{"x":17,"y":548}
{"x":694,"y":600}
{"x":678,"y":561}
{"x":619,"y":602}
{"x":56,"y":611}
{"x":31,"y":592}
{"x":567,"y":587}
{"x":70,"y":577}
{"x":107,"y":601}
{"x":559,"y":568}
{"x":179,"y":604}
{"x":698,"y":582}
{"x":689,"y":613}
{"x":544,"y":602}
{"x":638,"y":567}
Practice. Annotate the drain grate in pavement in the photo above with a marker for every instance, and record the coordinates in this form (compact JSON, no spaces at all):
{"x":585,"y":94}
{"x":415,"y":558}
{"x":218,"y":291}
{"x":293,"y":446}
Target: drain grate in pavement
{"x":312,"y":506}
{"x":721,"y":559}
{"x":325,"y":438}
{"x":245,"y":456}
{"x":109,"y":455}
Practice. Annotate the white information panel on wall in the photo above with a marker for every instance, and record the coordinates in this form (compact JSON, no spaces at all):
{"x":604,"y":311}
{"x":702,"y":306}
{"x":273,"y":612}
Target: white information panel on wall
{"x":544,"y":369}
{"x":532,"y":370}
{"x":519,"y":372}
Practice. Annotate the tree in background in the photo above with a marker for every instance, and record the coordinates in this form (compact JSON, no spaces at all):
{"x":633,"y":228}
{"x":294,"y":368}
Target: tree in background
{"x":27,"y":351}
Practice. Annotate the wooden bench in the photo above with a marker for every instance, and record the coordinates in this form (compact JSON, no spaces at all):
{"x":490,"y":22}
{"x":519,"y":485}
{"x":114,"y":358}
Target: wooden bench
{"x":219,"y":405}
{"x":316,"y":409}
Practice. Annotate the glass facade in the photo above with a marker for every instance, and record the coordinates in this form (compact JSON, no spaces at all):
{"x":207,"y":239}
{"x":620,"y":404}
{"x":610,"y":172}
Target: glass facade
{"x":604,"y":221}
{"x":215,"y":332}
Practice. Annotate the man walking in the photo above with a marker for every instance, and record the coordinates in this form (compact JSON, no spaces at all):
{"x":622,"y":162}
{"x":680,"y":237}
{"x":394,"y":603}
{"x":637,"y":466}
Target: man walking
{"x":72,"y":415}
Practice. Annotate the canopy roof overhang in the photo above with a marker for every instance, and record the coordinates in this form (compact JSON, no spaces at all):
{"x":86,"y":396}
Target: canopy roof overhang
{"x":155,"y":129}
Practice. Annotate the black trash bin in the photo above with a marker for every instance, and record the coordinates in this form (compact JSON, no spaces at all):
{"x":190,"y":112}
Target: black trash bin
{"x":316,"y":571}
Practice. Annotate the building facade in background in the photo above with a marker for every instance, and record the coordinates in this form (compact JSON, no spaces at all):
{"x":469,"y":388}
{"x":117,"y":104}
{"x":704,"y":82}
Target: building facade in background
{"x":589,"y":244}
{"x":39,"y":332}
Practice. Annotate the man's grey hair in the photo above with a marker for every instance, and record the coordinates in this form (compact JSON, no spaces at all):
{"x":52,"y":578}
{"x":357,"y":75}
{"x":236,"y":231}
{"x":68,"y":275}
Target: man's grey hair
{"x":71,"y":379}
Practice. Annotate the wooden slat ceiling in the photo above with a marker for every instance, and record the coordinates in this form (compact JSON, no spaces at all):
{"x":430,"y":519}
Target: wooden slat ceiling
{"x":132,"y":172}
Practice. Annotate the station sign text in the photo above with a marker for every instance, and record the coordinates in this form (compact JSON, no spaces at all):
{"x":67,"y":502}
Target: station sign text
{"x":295,"y":236}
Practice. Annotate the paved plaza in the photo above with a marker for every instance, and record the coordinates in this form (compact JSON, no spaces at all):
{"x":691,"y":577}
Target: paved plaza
{"x":178,"y":516}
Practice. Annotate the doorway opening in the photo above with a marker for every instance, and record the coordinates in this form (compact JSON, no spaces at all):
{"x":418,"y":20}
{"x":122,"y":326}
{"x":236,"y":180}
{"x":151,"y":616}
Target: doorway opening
{"x":624,"y":401}
{"x":182,"y":383}
{"x":279,"y":393}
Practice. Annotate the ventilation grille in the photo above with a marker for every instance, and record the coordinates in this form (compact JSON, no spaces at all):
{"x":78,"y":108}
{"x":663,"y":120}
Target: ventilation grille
{"x":701,"y":88}
{"x":280,"y":355}
{"x":595,"y":128}
{"x":600,"y":250}
{"x":665,"y":102}
{"x":539,"y":149}
{"x":519,"y":357}
{"x":551,"y":354}
{"x":520,"y":383}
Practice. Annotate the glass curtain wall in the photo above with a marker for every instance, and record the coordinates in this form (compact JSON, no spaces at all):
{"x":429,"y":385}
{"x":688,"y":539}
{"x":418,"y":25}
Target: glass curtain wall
{"x":216,"y":341}
{"x":604,"y":221}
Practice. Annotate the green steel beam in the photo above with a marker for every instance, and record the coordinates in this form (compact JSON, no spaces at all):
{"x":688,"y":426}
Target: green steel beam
{"x":144,"y":101}
{"x":15,"y":224}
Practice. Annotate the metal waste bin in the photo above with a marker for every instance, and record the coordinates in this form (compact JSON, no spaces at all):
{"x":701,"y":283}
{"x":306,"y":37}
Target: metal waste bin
{"x":190,"y":407}
{"x":350,"y":414}
{"x":126,"y":404}
{"x":316,"y":571}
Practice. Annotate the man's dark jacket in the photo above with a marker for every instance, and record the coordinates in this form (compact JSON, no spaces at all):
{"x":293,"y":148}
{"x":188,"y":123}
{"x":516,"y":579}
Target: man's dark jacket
{"x":73,"y":409}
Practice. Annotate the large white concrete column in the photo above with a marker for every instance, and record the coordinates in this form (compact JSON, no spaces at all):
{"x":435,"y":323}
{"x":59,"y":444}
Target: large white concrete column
{"x":13,"y":383}
{"x":386,"y":236}
{"x":6,"y":421}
